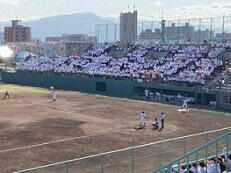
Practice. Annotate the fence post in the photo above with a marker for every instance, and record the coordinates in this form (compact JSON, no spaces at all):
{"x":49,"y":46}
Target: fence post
{"x":169,"y":169}
{"x":227,"y":152}
{"x":217,"y":156}
{"x":160,"y":153}
{"x":132,"y":160}
{"x":206,"y":150}
{"x":187,"y":164}
{"x":67,"y":167}
{"x":197,"y":158}
{"x":184,"y":143}
{"x":178,"y":166}
{"x":102,"y":164}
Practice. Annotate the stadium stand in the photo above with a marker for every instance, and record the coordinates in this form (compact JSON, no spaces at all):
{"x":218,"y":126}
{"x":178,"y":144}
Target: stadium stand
{"x":193,"y":64}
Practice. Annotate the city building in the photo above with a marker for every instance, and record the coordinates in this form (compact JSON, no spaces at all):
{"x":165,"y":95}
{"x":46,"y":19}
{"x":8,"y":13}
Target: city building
{"x":176,"y":33}
{"x":17,"y":32}
{"x":223,"y":36}
{"x":51,"y":49}
{"x":148,"y":34}
{"x":1,"y":36}
{"x":128,"y":27}
{"x":72,"y":38}
{"x":76,"y":49}
{"x":37,"y":40}
{"x":200,"y":35}
{"x":63,"y":49}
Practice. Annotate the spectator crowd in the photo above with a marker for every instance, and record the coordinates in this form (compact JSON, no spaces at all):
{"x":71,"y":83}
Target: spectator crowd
{"x":189,"y":63}
{"x":220,"y":164}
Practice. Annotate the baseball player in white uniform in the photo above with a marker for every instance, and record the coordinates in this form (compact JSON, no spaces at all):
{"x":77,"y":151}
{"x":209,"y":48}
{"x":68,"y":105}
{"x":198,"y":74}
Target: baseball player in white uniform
{"x":142,"y":118}
{"x":52,"y":88}
{"x":185,"y":104}
{"x":54,"y":96}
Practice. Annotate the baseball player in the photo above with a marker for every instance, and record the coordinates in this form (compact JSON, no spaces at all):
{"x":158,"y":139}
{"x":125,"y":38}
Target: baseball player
{"x":54,"y":96}
{"x":146,"y":94}
{"x":7,"y":95}
{"x":142,"y":118}
{"x":185,"y":104}
{"x":156,"y":124}
{"x":52,"y":88}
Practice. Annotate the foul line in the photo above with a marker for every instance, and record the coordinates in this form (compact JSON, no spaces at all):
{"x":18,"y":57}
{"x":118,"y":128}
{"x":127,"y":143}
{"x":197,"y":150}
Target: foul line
{"x":53,"y":142}
{"x":69,"y":139}
{"x":110,"y":152}
{"x":129,"y":148}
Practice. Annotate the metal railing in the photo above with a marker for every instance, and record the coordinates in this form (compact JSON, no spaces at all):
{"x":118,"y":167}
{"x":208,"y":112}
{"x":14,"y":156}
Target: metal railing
{"x":139,"y":159}
{"x":202,"y":151}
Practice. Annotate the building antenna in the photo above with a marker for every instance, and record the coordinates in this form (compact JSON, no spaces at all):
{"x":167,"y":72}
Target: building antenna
{"x":128,"y":8}
{"x":134,"y":7}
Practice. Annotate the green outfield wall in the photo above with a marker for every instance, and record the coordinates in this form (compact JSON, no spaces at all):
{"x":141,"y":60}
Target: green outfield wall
{"x":116,"y":88}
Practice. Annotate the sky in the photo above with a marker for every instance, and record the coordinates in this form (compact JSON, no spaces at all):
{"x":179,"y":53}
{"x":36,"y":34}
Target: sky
{"x":147,"y":9}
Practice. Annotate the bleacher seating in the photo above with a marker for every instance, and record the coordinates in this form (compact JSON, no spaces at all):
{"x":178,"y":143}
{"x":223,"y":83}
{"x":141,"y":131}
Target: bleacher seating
{"x":175,"y":64}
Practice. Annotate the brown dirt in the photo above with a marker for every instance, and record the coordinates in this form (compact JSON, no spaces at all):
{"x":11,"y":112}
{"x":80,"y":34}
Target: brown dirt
{"x":101,"y":123}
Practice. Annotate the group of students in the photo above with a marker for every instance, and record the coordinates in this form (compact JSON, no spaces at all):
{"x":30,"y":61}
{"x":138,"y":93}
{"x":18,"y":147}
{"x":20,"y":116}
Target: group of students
{"x":156,"y":124}
{"x":192,"y":63}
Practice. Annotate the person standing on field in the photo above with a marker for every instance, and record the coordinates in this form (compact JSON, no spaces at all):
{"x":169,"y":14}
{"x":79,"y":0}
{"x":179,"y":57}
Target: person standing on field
{"x":142,"y":118}
{"x":162,"y":119}
{"x":7,"y":95}
{"x":54,"y":96}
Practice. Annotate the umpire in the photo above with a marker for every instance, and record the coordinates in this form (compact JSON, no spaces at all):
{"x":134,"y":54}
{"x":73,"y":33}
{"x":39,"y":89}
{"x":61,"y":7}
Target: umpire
{"x":162,"y":119}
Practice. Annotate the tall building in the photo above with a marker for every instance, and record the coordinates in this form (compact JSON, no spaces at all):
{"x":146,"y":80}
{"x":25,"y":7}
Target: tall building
{"x":128,"y":27}
{"x":17,"y":32}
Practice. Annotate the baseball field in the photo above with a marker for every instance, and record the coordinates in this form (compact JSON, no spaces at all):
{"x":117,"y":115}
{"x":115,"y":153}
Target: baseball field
{"x":36,"y":132}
